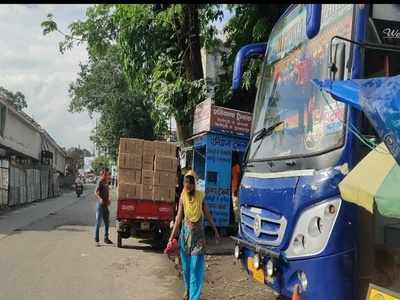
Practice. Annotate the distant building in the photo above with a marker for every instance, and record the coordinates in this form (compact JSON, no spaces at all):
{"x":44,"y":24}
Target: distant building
{"x":212,"y":66}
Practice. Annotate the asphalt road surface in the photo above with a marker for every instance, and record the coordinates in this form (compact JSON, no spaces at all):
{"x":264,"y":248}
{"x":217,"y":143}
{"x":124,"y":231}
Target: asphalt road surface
{"x":47,"y":251}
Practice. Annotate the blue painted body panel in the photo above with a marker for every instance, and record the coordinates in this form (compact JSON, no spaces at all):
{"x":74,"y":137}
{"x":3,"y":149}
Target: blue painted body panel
{"x":329,"y":277}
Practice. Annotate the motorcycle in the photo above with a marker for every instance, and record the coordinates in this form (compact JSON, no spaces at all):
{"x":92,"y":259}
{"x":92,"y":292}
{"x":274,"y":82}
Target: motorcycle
{"x":79,"y":189}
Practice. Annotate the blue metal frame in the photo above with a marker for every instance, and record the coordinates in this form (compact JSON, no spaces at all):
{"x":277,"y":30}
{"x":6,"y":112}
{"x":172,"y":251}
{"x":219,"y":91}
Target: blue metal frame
{"x":336,"y":266}
{"x":313,"y":21}
{"x":244,"y":53}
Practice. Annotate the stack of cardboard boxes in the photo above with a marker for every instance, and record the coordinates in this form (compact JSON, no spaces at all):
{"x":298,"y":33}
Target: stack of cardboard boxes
{"x":147,"y":170}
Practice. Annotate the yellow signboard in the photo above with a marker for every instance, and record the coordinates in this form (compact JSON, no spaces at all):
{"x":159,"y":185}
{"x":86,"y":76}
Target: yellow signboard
{"x":378,"y":293}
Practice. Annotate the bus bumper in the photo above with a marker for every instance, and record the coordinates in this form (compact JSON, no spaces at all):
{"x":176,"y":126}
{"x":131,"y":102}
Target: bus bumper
{"x":326,"y":277}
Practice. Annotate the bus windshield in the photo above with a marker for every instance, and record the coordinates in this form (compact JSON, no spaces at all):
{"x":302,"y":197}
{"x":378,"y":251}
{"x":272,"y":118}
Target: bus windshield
{"x":312,"y":122}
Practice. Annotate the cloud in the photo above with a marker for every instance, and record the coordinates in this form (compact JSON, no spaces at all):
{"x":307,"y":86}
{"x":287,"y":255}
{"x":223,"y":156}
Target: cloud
{"x":31,"y":63}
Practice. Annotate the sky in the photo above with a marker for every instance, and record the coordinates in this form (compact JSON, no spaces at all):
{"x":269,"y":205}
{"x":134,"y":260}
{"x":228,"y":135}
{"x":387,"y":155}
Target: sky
{"x":32,"y":64}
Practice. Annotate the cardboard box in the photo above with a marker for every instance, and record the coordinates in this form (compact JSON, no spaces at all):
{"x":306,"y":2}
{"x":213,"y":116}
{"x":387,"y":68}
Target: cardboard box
{"x":164,"y":149}
{"x":148,"y":161}
{"x":130,"y":176}
{"x":162,"y":193}
{"x":165,"y":163}
{"x":129,"y":161}
{"x":131,"y":146}
{"x":147,"y":192}
{"x":129,"y":191}
{"x":147,"y":177}
{"x":164,"y":178}
{"x":148,"y":147}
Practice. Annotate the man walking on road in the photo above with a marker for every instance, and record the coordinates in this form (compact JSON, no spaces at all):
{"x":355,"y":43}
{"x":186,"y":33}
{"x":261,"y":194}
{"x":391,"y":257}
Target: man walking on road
{"x":103,"y":201}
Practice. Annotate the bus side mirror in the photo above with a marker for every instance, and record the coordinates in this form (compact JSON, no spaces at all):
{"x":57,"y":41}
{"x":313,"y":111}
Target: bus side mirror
{"x":245,"y":52}
{"x":313,"y":19}
{"x":337,"y":66}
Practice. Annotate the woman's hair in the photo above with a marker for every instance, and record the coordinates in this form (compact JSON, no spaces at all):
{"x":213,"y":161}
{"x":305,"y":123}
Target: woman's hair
{"x":191,"y":180}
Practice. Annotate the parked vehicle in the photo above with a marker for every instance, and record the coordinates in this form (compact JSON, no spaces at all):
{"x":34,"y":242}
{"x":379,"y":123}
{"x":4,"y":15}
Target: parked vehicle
{"x":295,"y":230}
{"x":144,"y":218}
{"x":147,"y":178}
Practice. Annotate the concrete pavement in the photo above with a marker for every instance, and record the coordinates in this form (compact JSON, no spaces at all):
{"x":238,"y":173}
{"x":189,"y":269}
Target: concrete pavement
{"x":47,"y":251}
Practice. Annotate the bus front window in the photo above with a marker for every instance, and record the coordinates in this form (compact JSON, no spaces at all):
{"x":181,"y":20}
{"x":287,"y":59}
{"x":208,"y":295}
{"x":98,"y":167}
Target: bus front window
{"x":313,"y":123}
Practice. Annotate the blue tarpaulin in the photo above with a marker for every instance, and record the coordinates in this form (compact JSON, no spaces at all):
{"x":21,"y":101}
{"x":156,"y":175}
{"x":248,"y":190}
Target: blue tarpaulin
{"x":378,"y":98}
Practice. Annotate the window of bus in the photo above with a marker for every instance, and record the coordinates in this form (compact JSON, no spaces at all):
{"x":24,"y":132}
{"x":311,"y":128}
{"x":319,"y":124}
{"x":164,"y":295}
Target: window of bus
{"x":313,"y":122}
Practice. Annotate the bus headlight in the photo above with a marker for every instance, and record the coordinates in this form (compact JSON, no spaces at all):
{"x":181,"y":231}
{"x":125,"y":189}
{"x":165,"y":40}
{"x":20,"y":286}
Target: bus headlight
{"x":270,"y":268}
{"x":237,"y":252}
{"x":313,"y":229}
{"x":257,"y":261}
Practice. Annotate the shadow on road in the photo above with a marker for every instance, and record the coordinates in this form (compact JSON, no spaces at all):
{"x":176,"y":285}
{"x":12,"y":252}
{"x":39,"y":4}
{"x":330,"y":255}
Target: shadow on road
{"x":148,"y":248}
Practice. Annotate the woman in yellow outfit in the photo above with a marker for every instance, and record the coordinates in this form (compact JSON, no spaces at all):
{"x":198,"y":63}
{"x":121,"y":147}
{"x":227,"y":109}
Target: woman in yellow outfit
{"x":192,"y":238}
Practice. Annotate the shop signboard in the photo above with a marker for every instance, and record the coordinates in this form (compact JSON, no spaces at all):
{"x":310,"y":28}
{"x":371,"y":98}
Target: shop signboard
{"x":209,"y":117}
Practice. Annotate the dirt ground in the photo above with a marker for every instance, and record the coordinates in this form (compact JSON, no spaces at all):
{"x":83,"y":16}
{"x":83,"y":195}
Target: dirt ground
{"x":225,"y":277}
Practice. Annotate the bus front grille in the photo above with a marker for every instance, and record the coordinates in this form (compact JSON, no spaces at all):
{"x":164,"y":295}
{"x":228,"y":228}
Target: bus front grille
{"x":262,"y":226}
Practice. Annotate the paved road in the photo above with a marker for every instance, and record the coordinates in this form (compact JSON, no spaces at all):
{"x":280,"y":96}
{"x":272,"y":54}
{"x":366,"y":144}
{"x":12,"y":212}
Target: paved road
{"x":47,"y":251}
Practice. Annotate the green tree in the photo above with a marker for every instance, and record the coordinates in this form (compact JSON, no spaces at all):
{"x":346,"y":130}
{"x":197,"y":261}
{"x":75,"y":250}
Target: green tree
{"x":18,"y":99}
{"x":251,"y":23}
{"x":99,"y":163}
{"x":77,"y":155}
{"x":159,"y":46}
{"x":102,"y":88}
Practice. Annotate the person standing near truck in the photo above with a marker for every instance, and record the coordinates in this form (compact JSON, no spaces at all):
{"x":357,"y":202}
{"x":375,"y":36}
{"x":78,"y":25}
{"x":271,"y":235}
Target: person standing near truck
{"x":192,"y":239}
{"x":103,"y":202}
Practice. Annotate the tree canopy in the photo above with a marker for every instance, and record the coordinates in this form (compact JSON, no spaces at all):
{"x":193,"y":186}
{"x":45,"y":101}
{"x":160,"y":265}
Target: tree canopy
{"x":145,"y":63}
{"x":100,"y":163}
{"x":18,"y":99}
{"x":250,"y":23}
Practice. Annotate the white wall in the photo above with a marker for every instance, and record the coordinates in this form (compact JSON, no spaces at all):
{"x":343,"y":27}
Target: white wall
{"x":20,"y":135}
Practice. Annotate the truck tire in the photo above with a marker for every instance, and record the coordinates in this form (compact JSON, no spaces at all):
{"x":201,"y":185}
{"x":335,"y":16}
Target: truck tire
{"x":119,"y":240}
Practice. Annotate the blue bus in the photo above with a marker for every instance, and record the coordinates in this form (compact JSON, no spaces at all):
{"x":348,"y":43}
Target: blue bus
{"x":295,"y":230}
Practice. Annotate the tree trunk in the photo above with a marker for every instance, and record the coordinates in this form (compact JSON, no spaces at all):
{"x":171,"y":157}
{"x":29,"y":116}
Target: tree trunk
{"x":183,"y":131}
{"x":188,"y":34}
{"x":191,"y":31}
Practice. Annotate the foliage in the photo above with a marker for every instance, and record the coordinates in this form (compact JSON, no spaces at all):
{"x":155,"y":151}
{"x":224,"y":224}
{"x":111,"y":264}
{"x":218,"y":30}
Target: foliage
{"x":18,"y":99}
{"x":159,"y":47}
{"x":77,"y":156}
{"x":99,"y":163}
{"x":145,"y":63}
{"x":251,"y":23}
{"x":101,"y":87}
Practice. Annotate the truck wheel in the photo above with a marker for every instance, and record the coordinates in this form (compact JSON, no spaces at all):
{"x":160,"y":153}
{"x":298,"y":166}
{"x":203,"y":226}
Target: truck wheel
{"x":166,"y":234}
{"x":119,"y":240}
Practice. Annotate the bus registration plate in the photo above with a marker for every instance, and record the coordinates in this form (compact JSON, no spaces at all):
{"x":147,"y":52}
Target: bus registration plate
{"x":258,"y":275}
{"x":378,"y":293}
